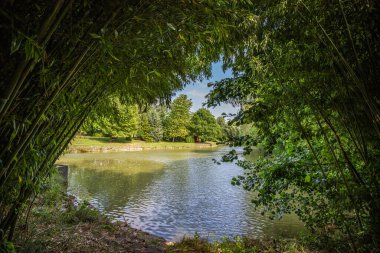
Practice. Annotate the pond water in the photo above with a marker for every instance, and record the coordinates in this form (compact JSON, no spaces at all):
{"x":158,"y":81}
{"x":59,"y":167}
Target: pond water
{"x":172,"y":193}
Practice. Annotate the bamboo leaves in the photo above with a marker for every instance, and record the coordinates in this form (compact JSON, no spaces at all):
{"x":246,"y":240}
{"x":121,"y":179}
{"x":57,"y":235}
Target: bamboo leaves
{"x":33,"y":51}
{"x":303,"y":80}
{"x":76,"y":54}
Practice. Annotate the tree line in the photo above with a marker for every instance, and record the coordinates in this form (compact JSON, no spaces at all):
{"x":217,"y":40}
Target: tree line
{"x":155,"y":123}
{"x":306,"y":75}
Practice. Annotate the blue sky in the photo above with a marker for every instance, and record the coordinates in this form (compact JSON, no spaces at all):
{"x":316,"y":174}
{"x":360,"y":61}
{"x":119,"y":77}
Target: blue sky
{"x":197,"y":91}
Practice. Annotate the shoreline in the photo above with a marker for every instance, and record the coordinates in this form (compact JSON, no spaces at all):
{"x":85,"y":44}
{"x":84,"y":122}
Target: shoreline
{"x":84,"y":228}
{"x":129,"y":148}
{"x":86,"y":144}
{"x":57,"y":222}
{"x":58,"y":225}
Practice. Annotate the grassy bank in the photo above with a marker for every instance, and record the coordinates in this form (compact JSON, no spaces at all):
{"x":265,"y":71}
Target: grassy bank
{"x":238,"y":245}
{"x":56,"y":224}
{"x":83,"y":144}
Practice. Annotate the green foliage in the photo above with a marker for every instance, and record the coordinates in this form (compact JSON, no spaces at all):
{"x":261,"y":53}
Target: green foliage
{"x":7,"y":247}
{"x":145,"y":128}
{"x":112,"y":118}
{"x":204,"y":126}
{"x":306,"y":80}
{"x":62,"y":61}
{"x":178,"y":121}
{"x":52,"y":190}
{"x":221,"y":122}
{"x":151,"y":128}
{"x":65,"y":227}
{"x":236,"y":245}
{"x":53,"y":197}
{"x":156,"y":125}
{"x":83,"y":213}
{"x":118,"y":120}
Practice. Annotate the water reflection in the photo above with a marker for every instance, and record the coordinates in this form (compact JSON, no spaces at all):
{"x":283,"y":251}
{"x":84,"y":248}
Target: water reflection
{"x":171,"y":193}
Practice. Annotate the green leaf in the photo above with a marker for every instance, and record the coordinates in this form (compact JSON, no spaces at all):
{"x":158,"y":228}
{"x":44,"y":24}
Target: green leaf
{"x":95,"y":36}
{"x":15,"y":45}
{"x":157,"y":73}
{"x":307,"y":178}
{"x":171,"y":26}
{"x":13,"y":135}
{"x":182,"y":37}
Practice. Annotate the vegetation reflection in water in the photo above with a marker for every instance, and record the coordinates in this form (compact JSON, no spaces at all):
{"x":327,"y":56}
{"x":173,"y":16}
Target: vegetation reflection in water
{"x":172,"y":193}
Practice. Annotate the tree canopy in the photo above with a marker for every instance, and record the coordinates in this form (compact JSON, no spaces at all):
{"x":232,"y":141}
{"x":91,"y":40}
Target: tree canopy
{"x":60,"y":59}
{"x":115,"y":119}
{"x":151,"y":126}
{"x":178,"y":121}
{"x":306,"y":76}
{"x":308,"y":80}
{"x":204,"y":125}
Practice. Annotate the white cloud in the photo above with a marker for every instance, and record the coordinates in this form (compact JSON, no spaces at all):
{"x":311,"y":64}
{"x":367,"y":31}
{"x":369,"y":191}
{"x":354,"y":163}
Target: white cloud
{"x":197,"y":93}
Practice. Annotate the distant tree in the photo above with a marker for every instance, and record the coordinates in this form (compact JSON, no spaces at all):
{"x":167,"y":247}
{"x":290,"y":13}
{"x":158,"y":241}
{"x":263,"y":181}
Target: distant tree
{"x":113,"y":118}
{"x":178,"y":121}
{"x":204,"y":125}
{"x":144,"y":128}
{"x":163,"y":113}
{"x":224,"y":128}
{"x":221,"y":121}
{"x":151,"y":129}
{"x":155,"y":123}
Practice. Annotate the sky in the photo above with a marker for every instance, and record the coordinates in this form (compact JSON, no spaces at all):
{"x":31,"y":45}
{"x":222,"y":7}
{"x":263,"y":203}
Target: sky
{"x":197,"y":91}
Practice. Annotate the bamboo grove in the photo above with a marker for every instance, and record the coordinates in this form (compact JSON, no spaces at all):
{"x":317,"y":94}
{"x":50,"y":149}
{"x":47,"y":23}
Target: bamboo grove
{"x":306,"y":74}
{"x":308,"y":80}
{"x":60,"y":58}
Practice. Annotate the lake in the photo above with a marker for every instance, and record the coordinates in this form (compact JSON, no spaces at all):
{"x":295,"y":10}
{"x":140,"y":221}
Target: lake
{"x":172,"y":193}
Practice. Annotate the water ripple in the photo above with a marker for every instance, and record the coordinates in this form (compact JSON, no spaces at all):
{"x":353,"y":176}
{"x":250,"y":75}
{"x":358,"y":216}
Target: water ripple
{"x":184,"y":192}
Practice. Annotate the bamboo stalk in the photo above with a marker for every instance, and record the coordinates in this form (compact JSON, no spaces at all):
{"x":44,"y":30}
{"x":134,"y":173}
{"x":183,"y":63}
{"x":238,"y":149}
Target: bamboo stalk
{"x":30,"y":133}
{"x":26,"y":66}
